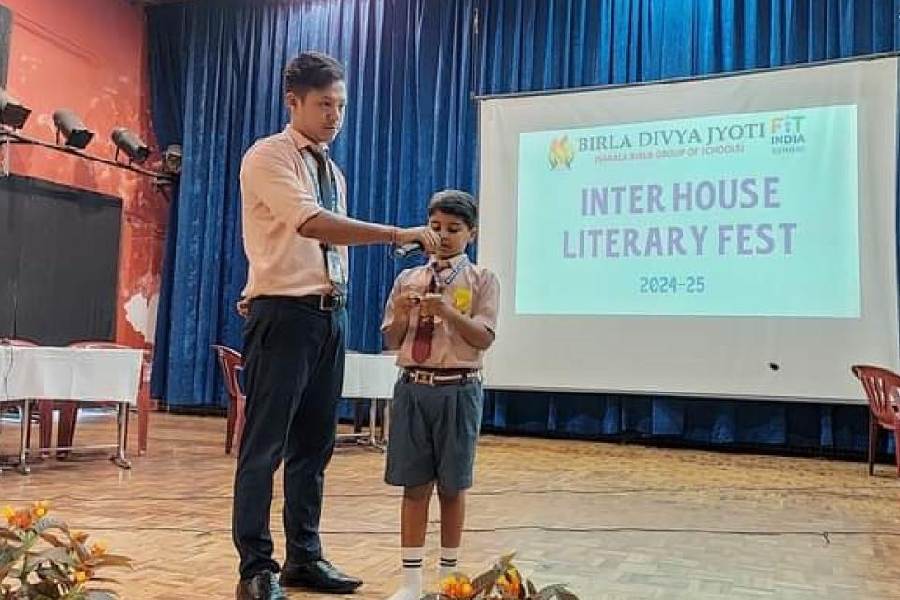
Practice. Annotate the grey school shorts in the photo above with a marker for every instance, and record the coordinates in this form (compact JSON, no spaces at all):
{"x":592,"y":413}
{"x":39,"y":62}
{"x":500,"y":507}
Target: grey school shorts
{"x":433,"y":433}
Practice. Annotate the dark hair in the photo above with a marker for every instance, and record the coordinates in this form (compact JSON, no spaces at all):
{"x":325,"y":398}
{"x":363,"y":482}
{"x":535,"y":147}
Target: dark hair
{"x":311,"y":71}
{"x":457,"y":203}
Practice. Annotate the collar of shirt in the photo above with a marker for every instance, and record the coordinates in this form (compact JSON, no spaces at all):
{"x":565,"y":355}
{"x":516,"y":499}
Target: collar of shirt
{"x":443,"y":264}
{"x":300,"y":140}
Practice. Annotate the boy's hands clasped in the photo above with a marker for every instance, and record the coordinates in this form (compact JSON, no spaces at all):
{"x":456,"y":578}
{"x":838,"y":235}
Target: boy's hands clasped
{"x":434,"y":305}
{"x":430,"y":305}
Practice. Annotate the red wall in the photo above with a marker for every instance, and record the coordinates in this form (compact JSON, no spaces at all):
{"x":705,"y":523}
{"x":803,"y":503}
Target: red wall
{"x":90,"y":56}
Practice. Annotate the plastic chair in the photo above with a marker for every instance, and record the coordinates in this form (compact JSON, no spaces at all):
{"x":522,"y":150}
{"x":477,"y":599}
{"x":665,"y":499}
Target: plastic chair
{"x":883,"y":392}
{"x":231,"y":362}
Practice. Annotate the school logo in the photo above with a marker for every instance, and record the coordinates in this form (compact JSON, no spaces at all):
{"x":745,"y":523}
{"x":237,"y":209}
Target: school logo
{"x":561,"y":154}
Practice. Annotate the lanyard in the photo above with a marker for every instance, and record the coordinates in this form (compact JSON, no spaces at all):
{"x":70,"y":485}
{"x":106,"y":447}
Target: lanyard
{"x":312,"y":166}
{"x":334,"y":267}
{"x":454,"y":273}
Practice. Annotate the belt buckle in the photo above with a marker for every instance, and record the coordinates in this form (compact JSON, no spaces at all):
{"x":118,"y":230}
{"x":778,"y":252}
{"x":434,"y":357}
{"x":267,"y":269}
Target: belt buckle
{"x":423,"y":377}
{"x":329,"y":303}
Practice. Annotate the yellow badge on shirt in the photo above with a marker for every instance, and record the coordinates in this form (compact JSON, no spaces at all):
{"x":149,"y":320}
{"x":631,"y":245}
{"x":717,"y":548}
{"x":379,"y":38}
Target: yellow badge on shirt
{"x":462,"y":299}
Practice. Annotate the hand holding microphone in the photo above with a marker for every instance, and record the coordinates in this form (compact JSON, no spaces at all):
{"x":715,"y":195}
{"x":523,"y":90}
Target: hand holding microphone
{"x":415,"y":240}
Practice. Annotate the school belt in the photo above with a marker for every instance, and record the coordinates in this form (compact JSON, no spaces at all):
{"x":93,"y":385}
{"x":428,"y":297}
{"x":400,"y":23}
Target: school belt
{"x":435,"y":377}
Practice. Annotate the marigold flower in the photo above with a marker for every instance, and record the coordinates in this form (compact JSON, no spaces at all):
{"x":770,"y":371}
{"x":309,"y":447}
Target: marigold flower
{"x":98,"y":549}
{"x":457,"y":586}
{"x":22,"y":519}
{"x":40,"y":509}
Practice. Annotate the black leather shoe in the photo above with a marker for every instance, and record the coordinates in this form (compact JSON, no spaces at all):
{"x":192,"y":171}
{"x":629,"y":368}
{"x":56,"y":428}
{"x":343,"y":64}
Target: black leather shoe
{"x":262,"y":586}
{"x":318,"y":576}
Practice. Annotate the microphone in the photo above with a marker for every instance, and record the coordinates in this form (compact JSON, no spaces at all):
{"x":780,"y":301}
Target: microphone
{"x":410,"y":249}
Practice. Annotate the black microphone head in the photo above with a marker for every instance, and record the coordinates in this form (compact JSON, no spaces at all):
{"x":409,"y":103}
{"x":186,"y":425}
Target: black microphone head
{"x":406,"y":250}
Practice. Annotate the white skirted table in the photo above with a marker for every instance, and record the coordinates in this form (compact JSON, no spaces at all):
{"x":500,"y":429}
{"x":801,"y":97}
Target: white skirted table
{"x":370,"y":377}
{"x":79,"y":374}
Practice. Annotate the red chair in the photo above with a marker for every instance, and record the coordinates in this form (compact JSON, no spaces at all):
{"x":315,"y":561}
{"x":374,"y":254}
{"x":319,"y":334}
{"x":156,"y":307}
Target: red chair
{"x":883,"y":391}
{"x":231,"y":362}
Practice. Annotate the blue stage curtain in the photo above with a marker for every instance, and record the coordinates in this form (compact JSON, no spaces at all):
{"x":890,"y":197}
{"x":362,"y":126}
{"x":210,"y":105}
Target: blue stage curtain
{"x":413,"y":66}
{"x":216,"y":80}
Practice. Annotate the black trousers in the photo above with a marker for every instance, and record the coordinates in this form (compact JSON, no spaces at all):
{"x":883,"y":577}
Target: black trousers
{"x":293,"y":375}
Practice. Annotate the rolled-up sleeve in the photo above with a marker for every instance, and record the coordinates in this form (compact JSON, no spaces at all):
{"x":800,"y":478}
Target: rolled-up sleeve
{"x":392,"y":298}
{"x":487,"y":300}
{"x":389,"y":307}
{"x":269,"y":177}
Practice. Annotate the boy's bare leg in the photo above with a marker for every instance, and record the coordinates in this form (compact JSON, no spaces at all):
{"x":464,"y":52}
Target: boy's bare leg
{"x":413,"y":526}
{"x":453,"y":515}
{"x":414,"y":515}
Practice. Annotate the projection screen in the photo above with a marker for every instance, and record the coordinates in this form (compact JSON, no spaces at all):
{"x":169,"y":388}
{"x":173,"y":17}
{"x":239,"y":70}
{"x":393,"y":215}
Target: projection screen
{"x":728,"y":237}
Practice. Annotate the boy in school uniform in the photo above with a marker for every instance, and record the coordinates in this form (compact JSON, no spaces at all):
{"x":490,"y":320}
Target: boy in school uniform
{"x":440,"y":318}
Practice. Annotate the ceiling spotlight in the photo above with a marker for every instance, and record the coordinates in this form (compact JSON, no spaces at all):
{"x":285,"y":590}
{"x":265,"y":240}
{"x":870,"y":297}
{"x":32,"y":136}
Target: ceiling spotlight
{"x":12,"y":112}
{"x":128,"y":142}
{"x":172,"y":159}
{"x":72,"y":128}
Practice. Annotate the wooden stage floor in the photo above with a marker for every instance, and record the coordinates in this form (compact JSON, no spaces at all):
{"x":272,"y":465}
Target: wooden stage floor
{"x":613,"y":521}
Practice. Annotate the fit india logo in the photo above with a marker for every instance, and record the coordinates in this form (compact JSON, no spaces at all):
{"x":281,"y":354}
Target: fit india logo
{"x":788,"y":133}
{"x":561,"y":153}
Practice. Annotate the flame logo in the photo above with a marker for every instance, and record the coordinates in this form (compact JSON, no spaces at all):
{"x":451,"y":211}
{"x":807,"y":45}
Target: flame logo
{"x":561,"y":153}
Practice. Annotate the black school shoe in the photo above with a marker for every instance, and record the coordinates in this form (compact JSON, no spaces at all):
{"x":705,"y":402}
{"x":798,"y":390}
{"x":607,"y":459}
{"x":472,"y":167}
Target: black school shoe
{"x":262,"y":586}
{"x":318,"y":576}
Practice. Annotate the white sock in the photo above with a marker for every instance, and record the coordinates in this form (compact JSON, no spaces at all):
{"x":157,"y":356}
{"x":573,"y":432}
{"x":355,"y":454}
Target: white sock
{"x":449,"y":561}
{"x":411,"y":589}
